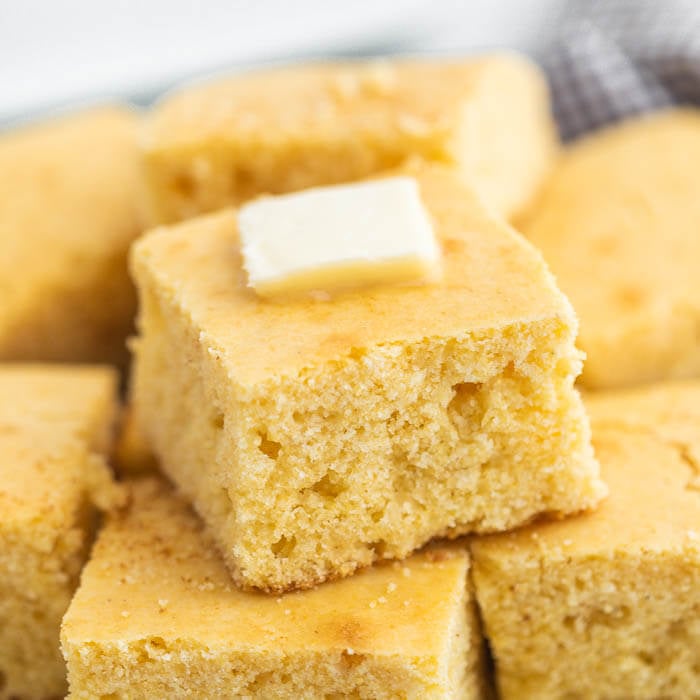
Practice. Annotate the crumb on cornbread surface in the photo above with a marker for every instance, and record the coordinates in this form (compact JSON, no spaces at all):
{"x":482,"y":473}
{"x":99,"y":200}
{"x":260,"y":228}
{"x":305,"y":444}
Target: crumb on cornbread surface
{"x":157,"y":615}
{"x":607,"y":604}
{"x":67,"y":218}
{"x":286,"y":129}
{"x":55,"y":429}
{"x":618,"y":223}
{"x":316,"y":438}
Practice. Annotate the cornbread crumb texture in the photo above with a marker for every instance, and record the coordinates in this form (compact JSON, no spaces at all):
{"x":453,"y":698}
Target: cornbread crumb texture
{"x":55,"y":431}
{"x":626,"y":201}
{"x":316,"y":438}
{"x":157,"y":615}
{"x":607,"y":605}
{"x":67,"y":218}
{"x":288,"y":129}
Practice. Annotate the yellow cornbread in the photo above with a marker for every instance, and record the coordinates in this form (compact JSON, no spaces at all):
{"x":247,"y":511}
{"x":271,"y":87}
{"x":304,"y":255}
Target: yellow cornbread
{"x":55,"y":428}
{"x":157,"y":616}
{"x":318,"y":437}
{"x":67,"y":218}
{"x":607,"y":604}
{"x":618,"y":223}
{"x":287,"y":129}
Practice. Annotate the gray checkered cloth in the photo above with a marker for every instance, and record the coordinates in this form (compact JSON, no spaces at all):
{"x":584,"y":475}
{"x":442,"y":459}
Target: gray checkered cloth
{"x":615,"y":58}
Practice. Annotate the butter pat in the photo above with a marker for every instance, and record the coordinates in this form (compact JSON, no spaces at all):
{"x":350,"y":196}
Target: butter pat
{"x":341,"y":237}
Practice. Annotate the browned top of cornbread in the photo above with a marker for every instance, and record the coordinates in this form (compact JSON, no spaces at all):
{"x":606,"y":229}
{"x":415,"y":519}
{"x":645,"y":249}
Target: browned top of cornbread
{"x":153,"y":573}
{"x":648,"y":444}
{"x":52,"y":418}
{"x":379,"y":101}
{"x":492,"y":278}
{"x":68,"y":197}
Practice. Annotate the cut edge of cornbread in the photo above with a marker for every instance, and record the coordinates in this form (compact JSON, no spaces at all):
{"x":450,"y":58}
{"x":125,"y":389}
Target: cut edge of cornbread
{"x":487,"y":495}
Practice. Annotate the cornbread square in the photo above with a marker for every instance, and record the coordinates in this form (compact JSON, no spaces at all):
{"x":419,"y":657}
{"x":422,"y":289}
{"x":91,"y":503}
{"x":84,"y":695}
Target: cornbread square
{"x":607,"y":605}
{"x":627,"y":202}
{"x":156,"y":615}
{"x":67,"y":218}
{"x":287,"y":129}
{"x":55,"y":430}
{"x":318,"y":437}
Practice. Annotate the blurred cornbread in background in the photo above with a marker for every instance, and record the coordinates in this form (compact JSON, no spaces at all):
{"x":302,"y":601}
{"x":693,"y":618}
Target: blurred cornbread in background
{"x":281,"y":130}
{"x":55,"y":436}
{"x":67,"y":217}
{"x":619,"y":224}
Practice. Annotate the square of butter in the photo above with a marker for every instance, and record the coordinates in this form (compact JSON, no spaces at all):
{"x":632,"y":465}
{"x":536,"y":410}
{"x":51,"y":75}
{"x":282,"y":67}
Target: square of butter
{"x":273,"y":131}
{"x":55,"y":431}
{"x":607,"y":604}
{"x":157,"y":615}
{"x":317,"y":437}
{"x":340,"y":237}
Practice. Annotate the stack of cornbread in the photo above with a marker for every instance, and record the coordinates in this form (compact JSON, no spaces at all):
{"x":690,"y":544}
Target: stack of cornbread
{"x":369,"y":475}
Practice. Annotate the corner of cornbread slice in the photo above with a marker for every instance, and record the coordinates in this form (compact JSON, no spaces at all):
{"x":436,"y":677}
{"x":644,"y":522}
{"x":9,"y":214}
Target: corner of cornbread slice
{"x":316,"y":438}
{"x":281,"y":130}
{"x":67,"y":217}
{"x":607,"y":604}
{"x":157,"y":615}
{"x":55,"y":430}
{"x":618,"y":223}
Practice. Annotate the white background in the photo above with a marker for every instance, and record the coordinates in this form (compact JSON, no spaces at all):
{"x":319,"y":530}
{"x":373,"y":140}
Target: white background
{"x":55,"y":53}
